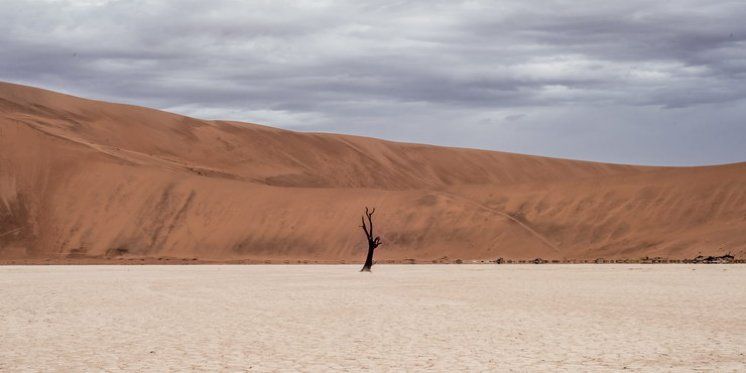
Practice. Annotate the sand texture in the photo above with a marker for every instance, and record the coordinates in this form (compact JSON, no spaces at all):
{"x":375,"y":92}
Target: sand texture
{"x":398,"y":318}
{"x":84,"y":180}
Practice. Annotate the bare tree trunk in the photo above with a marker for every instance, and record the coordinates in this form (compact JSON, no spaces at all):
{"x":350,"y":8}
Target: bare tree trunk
{"x":368,"y":261}
{"x":373,"y":241}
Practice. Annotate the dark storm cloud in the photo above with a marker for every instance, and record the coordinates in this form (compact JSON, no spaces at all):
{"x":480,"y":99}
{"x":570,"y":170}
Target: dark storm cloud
{"x":562,"y":78}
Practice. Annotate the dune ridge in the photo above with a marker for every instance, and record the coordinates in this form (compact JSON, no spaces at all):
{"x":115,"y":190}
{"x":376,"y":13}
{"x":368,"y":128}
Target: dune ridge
{"x":85,"y":180}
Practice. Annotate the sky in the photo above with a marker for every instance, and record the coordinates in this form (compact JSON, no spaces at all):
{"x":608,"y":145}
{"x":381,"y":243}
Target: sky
{"x":643,"y":82}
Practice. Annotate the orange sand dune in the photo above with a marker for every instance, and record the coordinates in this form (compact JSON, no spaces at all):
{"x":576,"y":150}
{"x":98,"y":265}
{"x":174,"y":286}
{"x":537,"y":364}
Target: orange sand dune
{"x":84,"y":180}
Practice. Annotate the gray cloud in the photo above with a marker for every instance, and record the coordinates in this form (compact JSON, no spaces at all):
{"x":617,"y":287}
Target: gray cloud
{"x":633,"y":81}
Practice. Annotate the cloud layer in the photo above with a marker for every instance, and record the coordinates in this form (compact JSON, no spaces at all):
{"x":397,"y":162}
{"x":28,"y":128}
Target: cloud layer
{"x":633,"y":81}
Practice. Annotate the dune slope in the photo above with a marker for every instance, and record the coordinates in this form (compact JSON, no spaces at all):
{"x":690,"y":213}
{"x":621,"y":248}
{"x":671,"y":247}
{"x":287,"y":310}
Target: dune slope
{"x":88,"y":180}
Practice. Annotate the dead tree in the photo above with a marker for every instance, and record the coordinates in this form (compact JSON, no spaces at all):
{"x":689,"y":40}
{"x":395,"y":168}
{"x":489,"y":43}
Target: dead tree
{"x":373,"y":243}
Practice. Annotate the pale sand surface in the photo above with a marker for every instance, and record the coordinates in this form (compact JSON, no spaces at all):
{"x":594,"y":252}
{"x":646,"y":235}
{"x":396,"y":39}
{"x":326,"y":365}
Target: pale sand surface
{"x":400,"y":317}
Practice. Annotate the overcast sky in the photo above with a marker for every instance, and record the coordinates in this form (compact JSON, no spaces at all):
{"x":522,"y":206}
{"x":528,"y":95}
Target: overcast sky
{"x":651,"y":82}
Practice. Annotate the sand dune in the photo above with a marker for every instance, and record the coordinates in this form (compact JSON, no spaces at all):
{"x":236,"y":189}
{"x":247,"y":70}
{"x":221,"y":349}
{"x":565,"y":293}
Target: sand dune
{"x":84,"y":180}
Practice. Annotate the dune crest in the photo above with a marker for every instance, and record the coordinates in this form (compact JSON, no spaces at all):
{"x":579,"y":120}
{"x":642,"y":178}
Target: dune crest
{"x":88,"y":180}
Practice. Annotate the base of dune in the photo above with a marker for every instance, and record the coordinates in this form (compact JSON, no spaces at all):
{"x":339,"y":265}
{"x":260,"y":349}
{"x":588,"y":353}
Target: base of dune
{"x":402,"y":318}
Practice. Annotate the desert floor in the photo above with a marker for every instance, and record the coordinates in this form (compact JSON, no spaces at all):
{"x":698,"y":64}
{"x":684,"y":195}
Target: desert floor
{"x":400,"y":317}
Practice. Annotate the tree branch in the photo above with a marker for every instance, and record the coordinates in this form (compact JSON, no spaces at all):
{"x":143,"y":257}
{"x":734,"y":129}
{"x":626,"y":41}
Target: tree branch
{"x":367,"y":234}
{"x":370,"y":221}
